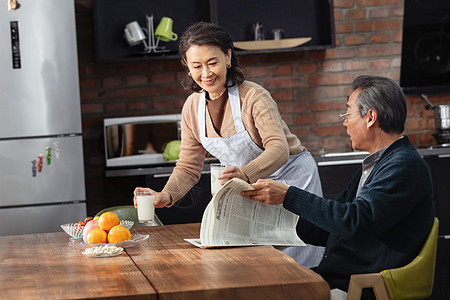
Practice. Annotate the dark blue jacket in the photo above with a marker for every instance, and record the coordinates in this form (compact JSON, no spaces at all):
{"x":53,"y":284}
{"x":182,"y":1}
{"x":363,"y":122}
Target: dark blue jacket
{"x":383,"y":227}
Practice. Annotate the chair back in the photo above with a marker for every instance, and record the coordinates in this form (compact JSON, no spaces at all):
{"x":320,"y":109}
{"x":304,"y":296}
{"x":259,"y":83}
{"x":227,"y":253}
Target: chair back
{"x":129,"y":212}
{"x":415,"y":280}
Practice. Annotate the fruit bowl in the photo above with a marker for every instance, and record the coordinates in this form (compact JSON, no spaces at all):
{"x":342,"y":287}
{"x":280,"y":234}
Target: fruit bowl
{"x":133,"y":241}
{"x":127,"y":224}
{"x":76,"y":232}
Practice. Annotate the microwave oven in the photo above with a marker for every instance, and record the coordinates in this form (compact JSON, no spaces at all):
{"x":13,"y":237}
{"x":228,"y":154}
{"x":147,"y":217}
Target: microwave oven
{"x":139,"y":141}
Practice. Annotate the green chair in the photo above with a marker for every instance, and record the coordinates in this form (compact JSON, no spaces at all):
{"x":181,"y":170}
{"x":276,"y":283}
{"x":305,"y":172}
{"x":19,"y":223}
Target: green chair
{"x":413,"y":281}
{"x":129,"y":212}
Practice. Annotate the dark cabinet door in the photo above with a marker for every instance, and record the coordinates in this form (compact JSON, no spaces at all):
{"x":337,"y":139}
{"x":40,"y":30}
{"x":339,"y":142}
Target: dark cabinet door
{"x":335,"y":178}
{"x":188,"y":209}
{"x":440,"y":172}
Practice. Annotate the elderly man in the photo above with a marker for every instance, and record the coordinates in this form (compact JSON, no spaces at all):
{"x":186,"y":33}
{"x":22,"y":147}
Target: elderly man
{"x":381,"y":220}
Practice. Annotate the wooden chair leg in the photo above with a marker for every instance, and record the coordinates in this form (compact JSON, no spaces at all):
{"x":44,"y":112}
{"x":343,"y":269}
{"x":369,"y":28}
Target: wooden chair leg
{"x":361,"y":281}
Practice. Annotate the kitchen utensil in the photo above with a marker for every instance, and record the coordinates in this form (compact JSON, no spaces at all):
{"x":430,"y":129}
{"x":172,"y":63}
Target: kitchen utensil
{"x":134,"y":33}
{"x":258,"y":31}
{"x":164,"y":30}
{"x":277,"y":33}
{"x":441,"y":114}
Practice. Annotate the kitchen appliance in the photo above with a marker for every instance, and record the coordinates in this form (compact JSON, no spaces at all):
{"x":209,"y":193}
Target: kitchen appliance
{"x":425,"y":65}
{"x":41,"y":153}
{"x":441,"y":120}
{"x":134,"y":146}
{"x":139,"y":141}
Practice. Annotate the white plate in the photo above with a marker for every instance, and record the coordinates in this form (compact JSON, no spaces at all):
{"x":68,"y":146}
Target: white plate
{"x":135,"y":239}
{"x":103,"y":255}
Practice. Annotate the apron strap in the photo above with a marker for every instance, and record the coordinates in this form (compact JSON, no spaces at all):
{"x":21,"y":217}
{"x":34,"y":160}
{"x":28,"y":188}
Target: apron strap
{"x":201,"y":115}
{"x":235,"y":102}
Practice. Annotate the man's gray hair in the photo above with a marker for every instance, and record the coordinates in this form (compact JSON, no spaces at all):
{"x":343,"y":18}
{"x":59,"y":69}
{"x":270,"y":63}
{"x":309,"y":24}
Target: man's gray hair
{"x":384,"y":96}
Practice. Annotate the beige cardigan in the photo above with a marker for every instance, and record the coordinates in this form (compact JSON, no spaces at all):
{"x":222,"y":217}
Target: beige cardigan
{"x":262,"y":121}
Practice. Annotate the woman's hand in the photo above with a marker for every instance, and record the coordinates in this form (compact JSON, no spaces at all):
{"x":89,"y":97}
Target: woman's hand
{"x":232,"y":172}
{"x":268,"y":191}
{"x":162,"y":199}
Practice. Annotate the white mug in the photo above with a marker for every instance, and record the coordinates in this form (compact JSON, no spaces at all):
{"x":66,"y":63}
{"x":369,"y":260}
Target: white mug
{"x":134,"y":33}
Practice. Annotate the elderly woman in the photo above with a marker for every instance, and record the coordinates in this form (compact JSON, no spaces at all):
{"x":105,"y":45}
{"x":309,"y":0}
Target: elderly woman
{"x":238,"y":122}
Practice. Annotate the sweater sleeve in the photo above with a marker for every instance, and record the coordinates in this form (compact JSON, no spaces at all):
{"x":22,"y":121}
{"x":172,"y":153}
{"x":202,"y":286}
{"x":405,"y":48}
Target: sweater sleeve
{"x":259,"y":107}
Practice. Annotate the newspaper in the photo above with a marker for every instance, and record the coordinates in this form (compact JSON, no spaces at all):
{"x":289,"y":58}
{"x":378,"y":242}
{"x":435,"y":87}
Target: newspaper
{"x":234,"y":220}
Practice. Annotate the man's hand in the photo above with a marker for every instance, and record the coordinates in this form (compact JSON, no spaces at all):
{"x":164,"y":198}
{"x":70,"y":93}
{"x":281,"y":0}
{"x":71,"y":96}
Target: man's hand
{"x":268,"y":191}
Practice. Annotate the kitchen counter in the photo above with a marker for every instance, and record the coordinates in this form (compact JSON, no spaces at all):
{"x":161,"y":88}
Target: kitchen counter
{"x":156,"y":171}
{"x":356,"y":157}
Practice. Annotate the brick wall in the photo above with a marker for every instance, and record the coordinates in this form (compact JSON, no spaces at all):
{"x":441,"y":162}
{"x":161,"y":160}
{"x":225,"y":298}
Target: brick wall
{"x":310,"y":88}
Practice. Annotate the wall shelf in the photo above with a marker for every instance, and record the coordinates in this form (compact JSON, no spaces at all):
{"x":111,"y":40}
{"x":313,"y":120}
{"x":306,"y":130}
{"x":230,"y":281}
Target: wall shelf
{"x":299,"y":19}
{"x":271,"y":44}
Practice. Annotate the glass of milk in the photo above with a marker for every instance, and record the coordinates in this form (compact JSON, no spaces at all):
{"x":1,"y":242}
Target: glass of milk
{"x":145,"y":206}
{"x":216,"y":171}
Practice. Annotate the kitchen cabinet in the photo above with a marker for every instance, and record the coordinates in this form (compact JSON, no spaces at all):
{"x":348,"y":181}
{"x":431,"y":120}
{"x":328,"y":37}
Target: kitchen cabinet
{"x":440,"y":171}
{"x":298,"y":19}
{"x":188,"y":209}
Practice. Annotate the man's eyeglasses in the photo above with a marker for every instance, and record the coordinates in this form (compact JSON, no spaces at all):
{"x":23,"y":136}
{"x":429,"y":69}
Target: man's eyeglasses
{"x":344,"y":116}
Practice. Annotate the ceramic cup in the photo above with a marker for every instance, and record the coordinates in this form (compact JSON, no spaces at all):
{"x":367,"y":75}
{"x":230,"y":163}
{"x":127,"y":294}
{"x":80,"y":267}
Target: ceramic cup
{"x":134,"y":33}
{"x":145,"y":206}
{"x":164,"y":30}
{"x":277,"y":33}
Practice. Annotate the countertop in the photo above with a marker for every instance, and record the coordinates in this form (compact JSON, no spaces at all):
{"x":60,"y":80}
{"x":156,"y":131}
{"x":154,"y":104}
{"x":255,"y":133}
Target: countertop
{"x":355,"y":157}
{"x":323,"y":160}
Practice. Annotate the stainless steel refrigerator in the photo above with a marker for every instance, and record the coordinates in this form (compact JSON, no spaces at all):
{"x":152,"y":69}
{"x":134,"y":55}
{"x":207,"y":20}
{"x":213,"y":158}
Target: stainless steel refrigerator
{"x":41,"y":153}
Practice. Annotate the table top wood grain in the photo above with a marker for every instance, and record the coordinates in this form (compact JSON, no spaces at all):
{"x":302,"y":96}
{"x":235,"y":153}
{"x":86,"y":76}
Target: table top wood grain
{"x":44,"y":266}
{"x":162,"y":267}
{"x":179,"y":270}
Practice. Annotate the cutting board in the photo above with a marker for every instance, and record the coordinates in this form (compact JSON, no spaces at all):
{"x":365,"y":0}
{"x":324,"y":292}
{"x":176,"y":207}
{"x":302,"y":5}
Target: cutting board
{"x":271,"y":44}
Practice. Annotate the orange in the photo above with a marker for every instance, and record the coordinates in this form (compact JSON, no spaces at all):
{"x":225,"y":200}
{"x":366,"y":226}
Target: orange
{"x":118,"y":234}
{"x":97,"y":236}
{"x":108,"y":220}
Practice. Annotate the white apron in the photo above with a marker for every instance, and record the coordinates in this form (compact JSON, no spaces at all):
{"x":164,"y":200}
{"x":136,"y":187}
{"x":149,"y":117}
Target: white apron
{"x":239,"y":149}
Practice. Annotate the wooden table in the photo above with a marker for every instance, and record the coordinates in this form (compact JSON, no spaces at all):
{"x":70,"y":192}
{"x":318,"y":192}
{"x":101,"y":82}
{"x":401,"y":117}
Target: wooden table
{"x":162,"y":267}
{"x":43,"y":266}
